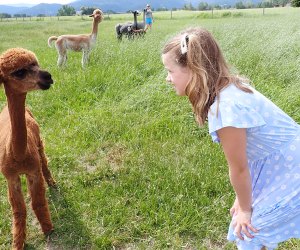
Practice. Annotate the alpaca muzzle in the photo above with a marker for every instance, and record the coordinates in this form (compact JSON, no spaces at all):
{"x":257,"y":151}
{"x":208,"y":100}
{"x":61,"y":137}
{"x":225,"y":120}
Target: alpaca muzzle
{"x":45,"y":80}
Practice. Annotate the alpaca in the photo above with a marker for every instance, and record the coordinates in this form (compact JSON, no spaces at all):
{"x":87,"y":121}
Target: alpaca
{"x":138,"y":28}
{"x":130,"y":29}
{"x":21,"y":148}
{"x":138,"y":25}
{"x":82,"y":43}
{"x":123,"y":30}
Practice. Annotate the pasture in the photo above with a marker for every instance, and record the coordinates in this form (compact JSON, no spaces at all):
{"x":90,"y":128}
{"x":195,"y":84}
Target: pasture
{"x":134,"y":171}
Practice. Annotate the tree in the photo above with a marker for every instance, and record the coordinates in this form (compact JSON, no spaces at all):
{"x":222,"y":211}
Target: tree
{"x":87,"y":10}
{"x":248,"y":4}
{"x":295,"y":3}
{"x":66,"y":10}
{"x":19,"y":15}
{"x":240,"y":5}
{"x":217,"y":7}
{"x":188,"y":6}
{"x":5,"y":15}
{"x":203,"y":6}
{"x":265,"y":4}
{"x":161,"y":9}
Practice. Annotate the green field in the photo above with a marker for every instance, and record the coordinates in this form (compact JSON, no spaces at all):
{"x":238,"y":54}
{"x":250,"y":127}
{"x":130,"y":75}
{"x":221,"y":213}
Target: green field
{"x":134,"y":170}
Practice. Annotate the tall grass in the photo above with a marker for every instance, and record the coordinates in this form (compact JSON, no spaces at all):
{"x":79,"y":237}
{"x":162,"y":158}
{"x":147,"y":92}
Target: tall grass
{"x":133,"y":168}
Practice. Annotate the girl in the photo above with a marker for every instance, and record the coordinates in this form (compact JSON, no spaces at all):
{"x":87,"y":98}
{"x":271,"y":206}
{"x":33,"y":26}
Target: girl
{"x":260,"y":142}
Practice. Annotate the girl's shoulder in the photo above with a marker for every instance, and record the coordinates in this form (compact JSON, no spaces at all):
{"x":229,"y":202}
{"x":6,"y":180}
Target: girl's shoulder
{"x":232,"y":93}
{"x":232,"y":96}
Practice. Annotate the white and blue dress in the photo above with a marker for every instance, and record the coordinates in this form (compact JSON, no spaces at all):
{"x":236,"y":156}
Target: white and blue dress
{"x":273,"y":150}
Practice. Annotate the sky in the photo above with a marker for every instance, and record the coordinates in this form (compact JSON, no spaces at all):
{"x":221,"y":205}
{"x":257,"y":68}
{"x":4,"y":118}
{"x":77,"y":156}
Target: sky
{"x":10,"y":2}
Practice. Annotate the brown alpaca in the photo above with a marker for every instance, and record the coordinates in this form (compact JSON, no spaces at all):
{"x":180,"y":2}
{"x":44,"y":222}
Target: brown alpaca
{"x":82,"y":43}
{"x":21,"y":148}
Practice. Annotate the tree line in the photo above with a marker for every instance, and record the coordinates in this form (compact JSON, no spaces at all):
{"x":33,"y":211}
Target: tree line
{"x":243,"y":5}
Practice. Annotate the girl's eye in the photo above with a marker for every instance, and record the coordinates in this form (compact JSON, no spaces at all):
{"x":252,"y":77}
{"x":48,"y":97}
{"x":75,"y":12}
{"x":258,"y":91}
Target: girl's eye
{"x":21,"y":73}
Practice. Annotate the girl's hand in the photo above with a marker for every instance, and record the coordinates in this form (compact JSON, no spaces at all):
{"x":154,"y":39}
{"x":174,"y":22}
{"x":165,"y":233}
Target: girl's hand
{"x":235,"y":208}
{"x":242,"y":224}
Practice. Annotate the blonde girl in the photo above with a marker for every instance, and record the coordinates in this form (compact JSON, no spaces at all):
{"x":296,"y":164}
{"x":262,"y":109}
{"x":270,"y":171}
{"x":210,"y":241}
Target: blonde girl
{"x":261,"y":143}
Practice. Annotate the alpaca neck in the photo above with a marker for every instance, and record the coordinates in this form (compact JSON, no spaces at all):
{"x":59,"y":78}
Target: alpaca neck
{"x":94,"y":30}
{"x":135,"y":22}
{"x":18,"y":138}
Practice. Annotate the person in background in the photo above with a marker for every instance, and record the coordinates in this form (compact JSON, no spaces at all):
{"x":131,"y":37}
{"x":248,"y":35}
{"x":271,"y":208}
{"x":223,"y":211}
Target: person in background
{"x":149,"y":17}
{"x":261,"y":142}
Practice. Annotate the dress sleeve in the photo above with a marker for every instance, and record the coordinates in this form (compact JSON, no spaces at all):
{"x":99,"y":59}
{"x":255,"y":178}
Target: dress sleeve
{"x":232,"y":114}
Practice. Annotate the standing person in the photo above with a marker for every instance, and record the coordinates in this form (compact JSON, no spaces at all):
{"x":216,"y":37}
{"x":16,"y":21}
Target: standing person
{"x":149,"y":17}
{"x":261,"y":143}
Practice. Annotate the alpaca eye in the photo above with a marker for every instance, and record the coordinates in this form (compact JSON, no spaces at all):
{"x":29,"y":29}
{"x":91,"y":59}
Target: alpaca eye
{"x":19,"y":73}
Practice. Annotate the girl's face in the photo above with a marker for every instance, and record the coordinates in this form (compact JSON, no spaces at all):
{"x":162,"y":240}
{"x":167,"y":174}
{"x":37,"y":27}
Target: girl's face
{"x":178,"y":76}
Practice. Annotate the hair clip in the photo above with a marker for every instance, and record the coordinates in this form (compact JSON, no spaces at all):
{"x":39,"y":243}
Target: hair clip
{"x":183,"y":44}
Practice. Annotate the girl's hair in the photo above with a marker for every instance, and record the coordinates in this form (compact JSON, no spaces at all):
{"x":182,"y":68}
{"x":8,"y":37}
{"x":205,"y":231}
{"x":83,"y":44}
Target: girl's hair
{"x":196,"y":49}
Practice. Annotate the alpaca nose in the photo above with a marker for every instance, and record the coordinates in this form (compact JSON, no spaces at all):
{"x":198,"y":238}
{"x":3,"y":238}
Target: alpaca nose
{"x":46,"y":76}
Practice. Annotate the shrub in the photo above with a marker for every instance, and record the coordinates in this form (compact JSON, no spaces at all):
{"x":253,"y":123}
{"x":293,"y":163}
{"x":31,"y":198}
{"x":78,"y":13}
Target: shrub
{"x":295,"y":3}
{"x":226,"y":14}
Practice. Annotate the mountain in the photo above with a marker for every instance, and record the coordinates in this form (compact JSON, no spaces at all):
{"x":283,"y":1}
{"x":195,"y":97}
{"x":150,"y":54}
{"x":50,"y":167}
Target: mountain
{"x":109,"y":5}
{"x":105,"y":5}
{"x":195,"y":3}
{"x":11,"y":9}
{"x":125,"y":5}
{"x":26,"y":5}
{"x":42,"y":8}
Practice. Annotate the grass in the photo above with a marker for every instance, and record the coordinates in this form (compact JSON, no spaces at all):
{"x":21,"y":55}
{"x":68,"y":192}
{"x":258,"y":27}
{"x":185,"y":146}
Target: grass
{"x":134,"y":170}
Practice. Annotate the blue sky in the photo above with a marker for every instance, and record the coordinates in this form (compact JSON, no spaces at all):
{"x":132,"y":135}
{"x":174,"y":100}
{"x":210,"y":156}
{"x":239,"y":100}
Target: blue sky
{"x":10,"y":2}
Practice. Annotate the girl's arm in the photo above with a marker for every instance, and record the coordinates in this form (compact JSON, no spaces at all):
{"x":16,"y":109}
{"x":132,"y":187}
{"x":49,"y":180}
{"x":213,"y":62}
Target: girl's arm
{"x":234,"y":141}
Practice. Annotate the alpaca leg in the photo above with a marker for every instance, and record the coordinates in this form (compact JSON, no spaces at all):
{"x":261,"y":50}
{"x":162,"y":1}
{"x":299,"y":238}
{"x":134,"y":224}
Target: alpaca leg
{"x":85,"y":57}
{"x":39,"y":203}
{"x":46,"y":172}
{"x":19,"y":212}
{"x":62,"y":59}
{"x":62,"y":53}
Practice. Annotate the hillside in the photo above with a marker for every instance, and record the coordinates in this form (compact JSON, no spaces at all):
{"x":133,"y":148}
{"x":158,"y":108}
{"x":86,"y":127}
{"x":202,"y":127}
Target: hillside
{"x":125,"y":5}
{"x":12,"y":9}
{"x":107,"y":5}
{"x":43,"y":8}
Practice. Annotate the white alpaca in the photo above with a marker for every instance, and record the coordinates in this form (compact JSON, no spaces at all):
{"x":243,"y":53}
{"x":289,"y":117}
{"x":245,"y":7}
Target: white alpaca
{"x":82,"y":43}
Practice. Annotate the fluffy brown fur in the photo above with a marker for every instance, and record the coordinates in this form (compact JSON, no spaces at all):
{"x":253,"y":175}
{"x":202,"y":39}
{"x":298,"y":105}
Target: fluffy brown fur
{"x":21,"y":148}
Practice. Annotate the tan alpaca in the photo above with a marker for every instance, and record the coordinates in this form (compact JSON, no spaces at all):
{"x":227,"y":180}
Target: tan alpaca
{"x":21,"y":148}
{"x":82,"y":43}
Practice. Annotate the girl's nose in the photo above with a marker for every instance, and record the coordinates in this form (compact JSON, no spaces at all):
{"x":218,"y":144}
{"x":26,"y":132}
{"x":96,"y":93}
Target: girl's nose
{"x":168,"y":79}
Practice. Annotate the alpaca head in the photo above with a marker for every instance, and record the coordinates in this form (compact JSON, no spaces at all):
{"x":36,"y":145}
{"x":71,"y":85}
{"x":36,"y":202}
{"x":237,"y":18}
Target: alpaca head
{"x":20,"y":71}
{"x":97,"y":15}
{"x":136,"y":13}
